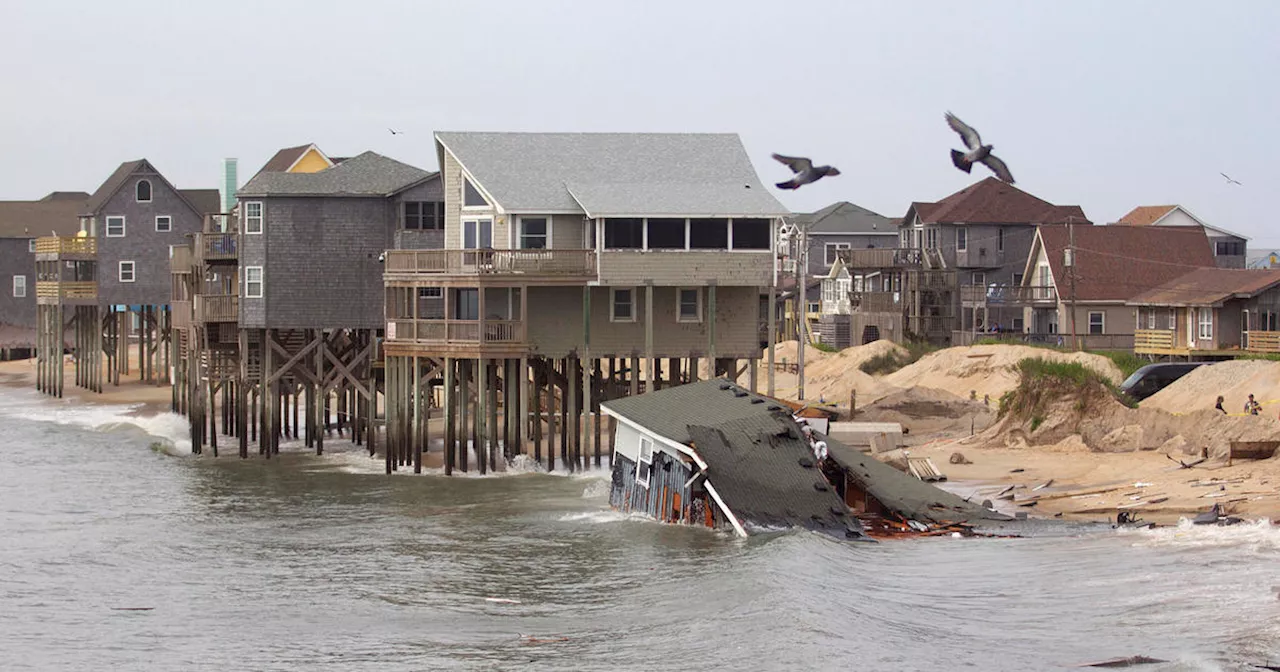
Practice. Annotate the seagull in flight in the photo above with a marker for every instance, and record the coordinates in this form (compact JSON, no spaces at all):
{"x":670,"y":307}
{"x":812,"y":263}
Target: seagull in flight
{"x":805,"y":171}
{"x":395,"y":132}
{"x":978,"y":152}
{"x":1231,"y":181}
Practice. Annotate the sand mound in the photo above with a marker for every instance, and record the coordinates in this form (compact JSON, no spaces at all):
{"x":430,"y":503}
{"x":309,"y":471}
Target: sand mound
{"x":832,"y":376}
{"x":987,"y":369}
{"x":1235,"y":380}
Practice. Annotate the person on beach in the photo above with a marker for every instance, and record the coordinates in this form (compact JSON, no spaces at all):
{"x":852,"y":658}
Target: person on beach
{"x":1252,"y":407}
{"x":1218,"y":406}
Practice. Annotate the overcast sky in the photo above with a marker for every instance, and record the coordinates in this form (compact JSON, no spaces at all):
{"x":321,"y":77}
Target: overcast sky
{"x":1104,"y":104}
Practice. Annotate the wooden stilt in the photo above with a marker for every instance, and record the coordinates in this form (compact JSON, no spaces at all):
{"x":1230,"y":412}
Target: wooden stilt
{"x":450,"y":414}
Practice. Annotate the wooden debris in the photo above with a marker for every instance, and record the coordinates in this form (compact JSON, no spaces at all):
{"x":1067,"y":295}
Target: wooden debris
{"x":1131,"y":661}
{"x":1044,"y":485}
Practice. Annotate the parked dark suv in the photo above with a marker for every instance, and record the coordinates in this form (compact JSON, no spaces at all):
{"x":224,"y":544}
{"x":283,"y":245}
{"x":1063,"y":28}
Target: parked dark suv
{"x":1155,"y":377}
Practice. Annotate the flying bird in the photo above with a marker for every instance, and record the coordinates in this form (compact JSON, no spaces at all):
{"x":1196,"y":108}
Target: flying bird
{"x":1231,"y":181}
{"x":395,"y":132}
{"x":978,"y":152}
{"x":805,"y":171}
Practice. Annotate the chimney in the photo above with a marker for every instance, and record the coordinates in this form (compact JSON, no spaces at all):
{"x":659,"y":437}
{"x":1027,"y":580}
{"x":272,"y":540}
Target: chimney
{"x":229,"y":185}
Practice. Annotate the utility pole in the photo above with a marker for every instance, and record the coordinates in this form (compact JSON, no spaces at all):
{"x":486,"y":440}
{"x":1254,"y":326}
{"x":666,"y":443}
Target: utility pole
{"x":1069,"y":260}
{"x":802,"y":326}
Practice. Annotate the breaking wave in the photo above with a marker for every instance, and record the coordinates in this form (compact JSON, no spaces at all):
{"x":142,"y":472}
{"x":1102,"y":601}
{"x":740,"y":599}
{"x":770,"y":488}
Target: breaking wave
{"x":170,"y":432}
{"x":1257,"y":535}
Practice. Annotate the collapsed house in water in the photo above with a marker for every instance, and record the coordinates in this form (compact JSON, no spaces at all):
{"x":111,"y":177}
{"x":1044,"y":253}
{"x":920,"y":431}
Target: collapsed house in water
{"x":713,"y":454}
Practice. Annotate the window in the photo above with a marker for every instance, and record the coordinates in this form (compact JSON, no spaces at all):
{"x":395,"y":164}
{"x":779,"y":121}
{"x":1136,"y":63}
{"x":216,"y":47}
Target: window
{"x":127,"y":271}
{"x":623,"y":306}
{"x":1095,"y":323}
{"x":904,"y":239}
{"x":1044,"y":275}
{"x":477,"y":234}
{"x":665,"y":234}
{"x":1000,"y":239}
{"x":708,"y":234}
{"x":748,"y":234}
{"x":115,"y":227}
{"x":1173,"y":319}
{"x":534,"y":233}
{"x":19,"y":286}
{"x":253,"y":282}
{"x":424,"y":215}
{"x":1229,"y":248}
{"x":430,"y":292}
{"x":931,"y":239}
{"x":1018,"y":325}
{"x":1017,"y":279}
{"x":164,"y":223}
{"x":690,"y":308}
{"x":832,"y":252}
{"x":624,"y":233}
{"x":1206,"y":324}
{"x":31,"y":245}
{"x":645,"y":463}
{"x":253,"y":217}
{"x":979,"y":278}
{"x":143,"y":191}
{"x":962,"y":239}
{"x":1151,"y":318}
{"x":813,"y":306}
{"x":471,"y":197}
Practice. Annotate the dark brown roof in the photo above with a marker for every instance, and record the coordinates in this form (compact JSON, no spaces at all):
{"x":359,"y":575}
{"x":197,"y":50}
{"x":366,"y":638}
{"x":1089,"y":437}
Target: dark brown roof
{"x":81,"y":196}
{"x":32,"y":219}
{"x":284,"y":158}
{"x":206,"y":201}
{"x":1145,"y":215}
{"x":991,"y":201}
{"x":112,"y":185}
{"x":1114,"y":263}
{"x":1209,"y":287}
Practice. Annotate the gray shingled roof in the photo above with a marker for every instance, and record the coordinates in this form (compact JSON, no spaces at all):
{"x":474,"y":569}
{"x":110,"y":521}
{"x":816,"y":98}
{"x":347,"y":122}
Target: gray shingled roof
{"x":206,"y":201}
{"x":368,"y":174}
{"x":845,"y":217}
{"x":693,"y":174}
{"x":109,"y":188}
{"x":669,"y":412}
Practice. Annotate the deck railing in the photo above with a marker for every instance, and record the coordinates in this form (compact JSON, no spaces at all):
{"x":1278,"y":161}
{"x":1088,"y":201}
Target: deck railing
{"x":531,"y":262}
{"x":875,"y":302}
{"x":1008,"y":294}
{"x":216,"y":246}
{"x":1262,"y":341}
{"x":217,"y":308}
{"x":67,"y":245}
{"x":456,"y":331}
{"x":1152,"y":340}
{"x":75,"y":290}
{"x":882,"y":257}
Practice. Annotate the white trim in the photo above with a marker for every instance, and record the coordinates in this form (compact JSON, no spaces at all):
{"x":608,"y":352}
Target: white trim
{"x":680,"y":304}
{"x":438,"y":291}
{"x":19,"y":281}
{"x":1199,"y":221}
{"x":493,"y":202}
{"x":476,"y":220}
{"x":151,"y":190}
{"x":133,"y":271}
{"x":303,"y":155}
{"x":262,"y":284}
{"x":724,"y":508}
{"x":123,"y":227}
{"x":658,"y":438}
{"x":519,"y":229}
{"x":962,"y":230}
{"x":31,"y":245}
{"x":1101,"y":323}
{"x":168,"y":217}
{"x":613,"y":304}
{"x":645,"y":442}
{"x":827,"y":247}
{"x":262,"y":218}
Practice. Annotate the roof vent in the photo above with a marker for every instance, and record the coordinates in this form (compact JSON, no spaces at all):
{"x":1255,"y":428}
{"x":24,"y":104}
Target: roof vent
{"x":820,"y":487}
{"x":739,"y":393}
{"x":757,"y":400}
{"x":775,"y":407}
{"x":726,"y":386}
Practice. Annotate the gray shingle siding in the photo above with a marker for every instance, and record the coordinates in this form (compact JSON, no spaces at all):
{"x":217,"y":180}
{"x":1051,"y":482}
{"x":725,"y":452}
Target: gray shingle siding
{"x":320,"y":259}
{"x":142,"y":244}
{"x":16,"y":259}
{"x":818,"y":246}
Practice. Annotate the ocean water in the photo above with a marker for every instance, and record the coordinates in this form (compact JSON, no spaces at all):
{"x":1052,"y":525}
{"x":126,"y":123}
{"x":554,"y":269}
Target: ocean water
{"x":120,"y":550}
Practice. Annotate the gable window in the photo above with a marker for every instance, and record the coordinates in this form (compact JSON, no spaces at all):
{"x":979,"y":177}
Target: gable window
{"x":423,"y":215}
{"x":623,"y":305}
{"x":253,"y":282}
{"x":253,"y":217}
{"x":624,"y":233}
{"x":142,"y":192}
{"x":962,"y":239}
{"x":1000,"y":239}
{"x":666,"y":233}
{"x":471,"y":197}
{"x":1206,"y":324}
{"x":708,"y":234}
{"x":115,"y":227}
{"x":644,"y":465}
{"x":477,"y":234}
{"x":534,"y":233}
{"x":690,"y":308}
{"x":19,"y":286}
{"x":164,"y":223}
{"x":1096,"y":322}
{"x":751,"y":234}
{"x":127,"y":271}
{"x":31,"y":245}
{"x":832,"y":252}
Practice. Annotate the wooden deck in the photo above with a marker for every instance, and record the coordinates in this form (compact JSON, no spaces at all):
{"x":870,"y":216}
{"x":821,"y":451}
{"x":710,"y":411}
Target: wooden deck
{"x":1008,"y":295}
{"x":53,"y":248}
{"x":215,"y":308}
{"x":882,"y":257}
{"x":214,"y":247}
{"x":577,"y":266}
{"x":462,"y":338}
{"x":80,"y":293}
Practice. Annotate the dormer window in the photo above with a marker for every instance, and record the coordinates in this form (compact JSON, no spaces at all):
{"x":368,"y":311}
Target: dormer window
{"x":143,"y":191}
